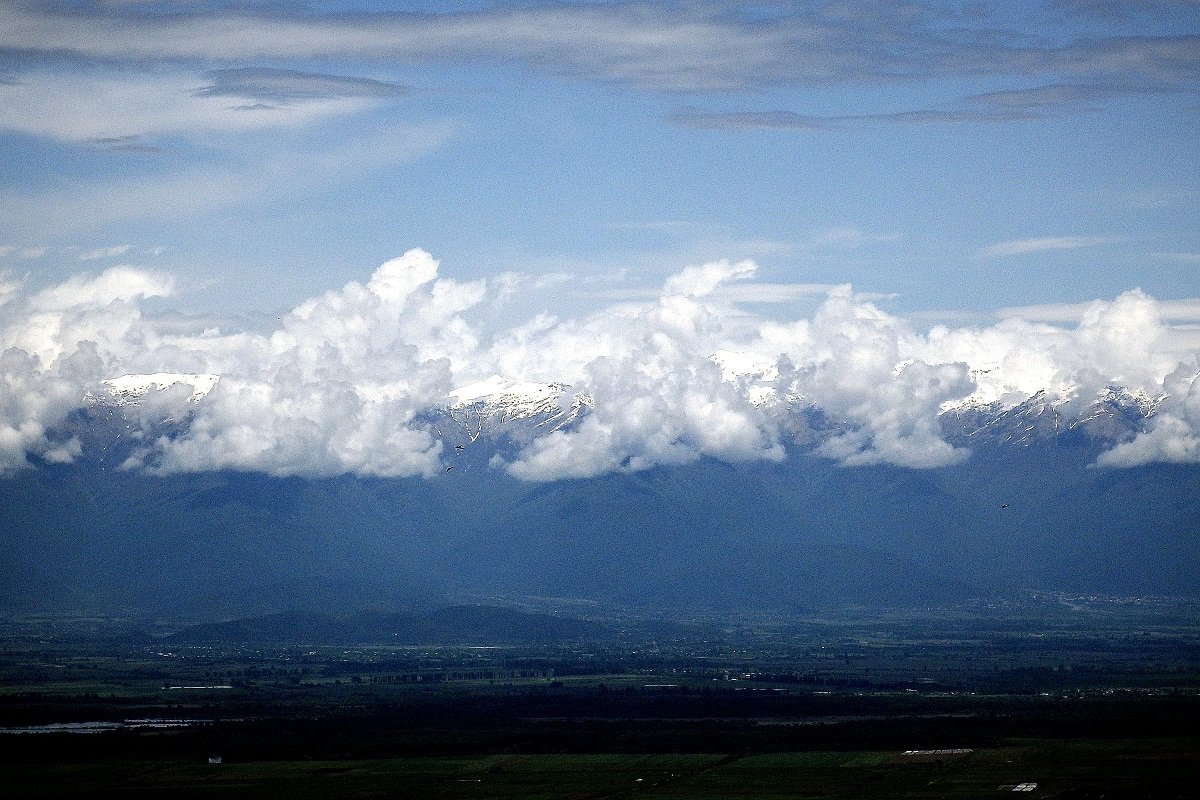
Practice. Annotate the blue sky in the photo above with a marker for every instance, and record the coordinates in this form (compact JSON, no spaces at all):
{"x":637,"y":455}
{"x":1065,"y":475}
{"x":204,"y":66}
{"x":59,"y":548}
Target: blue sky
{"x":960,"y":156}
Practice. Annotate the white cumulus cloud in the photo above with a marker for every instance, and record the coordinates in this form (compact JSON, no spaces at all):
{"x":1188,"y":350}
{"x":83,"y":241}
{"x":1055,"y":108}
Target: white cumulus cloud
{"x":340,"y":383}
{"x":336,"y":387}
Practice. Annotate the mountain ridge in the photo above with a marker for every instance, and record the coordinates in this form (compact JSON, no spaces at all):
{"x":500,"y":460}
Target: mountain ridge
{"x":510,"y":414}
{"x":803,"y":532}
{"x":1027,"y":511}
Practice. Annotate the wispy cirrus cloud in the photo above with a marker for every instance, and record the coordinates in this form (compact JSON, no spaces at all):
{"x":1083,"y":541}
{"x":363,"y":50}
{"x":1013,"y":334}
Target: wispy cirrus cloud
{"x":105,"y":252}
{"x":115,"y":110}
{"x":193,"y":191}
{"x":119,"y":77}
{"x":691,"y":47}
{"x":650,"y":45}
{"x":1121,"y":9}
{"x":1185,"y":258}
{"x":1014,"y":105}
{"x":285,"y":86}
{"x":27,"y":252}
{"x":1179,"y":311}
{"x":1040,"y":244}
{"x":127,"y":143}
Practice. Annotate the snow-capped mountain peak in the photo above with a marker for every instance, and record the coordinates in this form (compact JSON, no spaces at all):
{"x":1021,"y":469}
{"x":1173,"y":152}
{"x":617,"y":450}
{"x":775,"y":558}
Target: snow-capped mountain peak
{"x":519,"y":409}
{"x":130,"y":388}
{"x":506,"y":391}
{"x":1139,"y":399}
{"x":500,"y":408}
{"x":735,"y":364}
{"x":754,"y":374}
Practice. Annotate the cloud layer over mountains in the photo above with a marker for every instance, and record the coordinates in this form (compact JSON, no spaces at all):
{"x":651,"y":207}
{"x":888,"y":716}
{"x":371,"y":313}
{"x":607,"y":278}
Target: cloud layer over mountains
{"x":338,"y":384}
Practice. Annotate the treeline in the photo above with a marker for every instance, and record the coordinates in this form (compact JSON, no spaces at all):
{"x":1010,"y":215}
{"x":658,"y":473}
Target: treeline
{"x":444,"y":676}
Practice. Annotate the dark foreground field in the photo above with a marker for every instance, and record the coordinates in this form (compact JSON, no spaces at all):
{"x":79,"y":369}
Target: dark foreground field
{"x":1058,"y":697}
{"x":1143,"y":768}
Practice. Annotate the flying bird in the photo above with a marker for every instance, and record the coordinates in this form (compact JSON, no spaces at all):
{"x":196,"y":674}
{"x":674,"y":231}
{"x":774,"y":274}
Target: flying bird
{"x":449,"y":468}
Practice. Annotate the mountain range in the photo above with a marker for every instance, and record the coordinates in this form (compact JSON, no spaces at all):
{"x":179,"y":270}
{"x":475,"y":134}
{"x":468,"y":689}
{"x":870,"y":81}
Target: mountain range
{"x":1027,"y":511}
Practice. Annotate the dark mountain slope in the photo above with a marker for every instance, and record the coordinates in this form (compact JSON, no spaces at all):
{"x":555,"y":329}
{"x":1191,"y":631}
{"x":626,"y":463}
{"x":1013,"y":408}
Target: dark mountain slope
{"x":466,"y":625}
{"x":803,"y":532}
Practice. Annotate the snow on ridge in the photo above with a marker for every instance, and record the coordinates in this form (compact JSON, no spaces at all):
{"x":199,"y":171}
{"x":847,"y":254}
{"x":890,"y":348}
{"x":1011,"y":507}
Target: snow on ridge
{"x":1145,"y":403}
{"x":989,"y":393}
{"x":490,"y":406}
{"x":735,"y":364}
{"x":135,"y":386}
{"x":497,"y":388}
{"x":755,"y":375}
